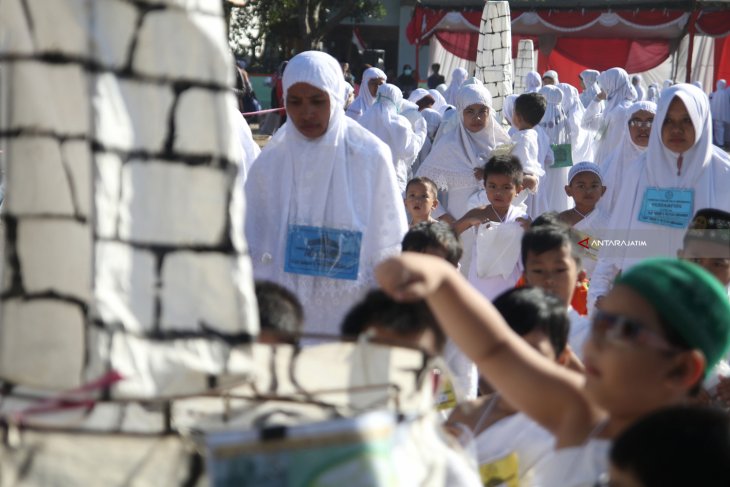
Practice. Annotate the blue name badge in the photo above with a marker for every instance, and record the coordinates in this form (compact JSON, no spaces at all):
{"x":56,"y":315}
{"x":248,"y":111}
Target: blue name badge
{"x":320,"y":251}
{"x":670,"y":207}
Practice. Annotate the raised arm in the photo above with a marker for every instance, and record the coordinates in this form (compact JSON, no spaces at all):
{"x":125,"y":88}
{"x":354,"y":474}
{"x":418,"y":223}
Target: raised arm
{"x":550,"y":394}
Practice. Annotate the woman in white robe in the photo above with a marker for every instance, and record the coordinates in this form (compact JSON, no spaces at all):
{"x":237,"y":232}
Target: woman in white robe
{"x":628,"y":150}
{"x":652,"y":93}
{"x":322,"y":199}
{"x":366,"y":98}
{"x":580,"y":138}
{"x":405,"y":141}
{"x":458,"y":76}
{"x":605,"y":117}
{"x":681,"y":170}
{"x":590,"y":87}
{"x":551,"y":192}
{"x":720,"y":107}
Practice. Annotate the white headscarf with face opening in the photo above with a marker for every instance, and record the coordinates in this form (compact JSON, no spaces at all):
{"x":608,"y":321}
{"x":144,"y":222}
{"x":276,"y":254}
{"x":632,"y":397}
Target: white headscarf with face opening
{"x":580,"y":139}
{"x":458,"y":76}
{"x":343,"y":179}
{"x":615,"y":166}
{"x":705,"y":171}
{"x":364,"y":99}
{"x":589,"y":77}
{"x":457,"y":153}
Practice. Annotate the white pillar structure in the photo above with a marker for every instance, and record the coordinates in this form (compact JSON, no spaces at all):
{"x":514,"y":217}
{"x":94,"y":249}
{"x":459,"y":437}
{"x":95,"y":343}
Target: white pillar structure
{"x":524,"y":63}
{"x":494,"y":51}
{"x":123,"y":214}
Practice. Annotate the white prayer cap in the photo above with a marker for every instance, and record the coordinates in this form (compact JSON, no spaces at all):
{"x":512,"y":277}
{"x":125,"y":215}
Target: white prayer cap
{"x":551,"y":74}
{"x":584,"y":166}
{"x":553,"y":95}
{"x":472,"y":94}
{"x":318,"y":69}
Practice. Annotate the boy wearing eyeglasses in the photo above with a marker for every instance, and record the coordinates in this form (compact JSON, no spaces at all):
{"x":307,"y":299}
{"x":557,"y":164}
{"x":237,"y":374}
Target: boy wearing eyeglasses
{"x":662,"y":326}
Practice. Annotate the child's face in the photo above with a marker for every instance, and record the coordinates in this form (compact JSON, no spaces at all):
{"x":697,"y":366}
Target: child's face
{"x":554,"y":271}
{"x":586,"y":189}
{"x":420,"y":201}
{"x":475,"y":117}
{"x":501,"y":190}
{"x":709,"y":255}
{"x":631,"y":369}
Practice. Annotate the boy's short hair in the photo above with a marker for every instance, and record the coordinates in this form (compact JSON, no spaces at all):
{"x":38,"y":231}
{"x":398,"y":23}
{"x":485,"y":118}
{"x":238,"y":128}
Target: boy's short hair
{"x":548,"y":218}
{"x":279,"y":309}
{"x":434,"y":235}
{"x":531,"y":107}
{"x":543,"y":238}
{"x":379,"y":309}
{"x":676,"y":446}
{"x":506,"y":165}
{"x":432,"y":188}
{"x":528,"y":309}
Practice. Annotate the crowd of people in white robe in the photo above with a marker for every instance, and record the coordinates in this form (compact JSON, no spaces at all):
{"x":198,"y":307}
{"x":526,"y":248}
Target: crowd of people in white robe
{"x":333,"y":193}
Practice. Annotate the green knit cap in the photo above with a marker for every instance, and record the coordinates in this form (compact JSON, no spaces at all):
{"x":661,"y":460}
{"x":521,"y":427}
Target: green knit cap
{"x":687,"y":298}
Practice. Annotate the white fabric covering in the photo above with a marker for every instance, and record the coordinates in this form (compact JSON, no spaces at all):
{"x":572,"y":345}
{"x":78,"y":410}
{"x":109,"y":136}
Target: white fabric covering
{"x":625,"y":153}
{"x":364,"y":99}
{"x":580,"y":139}
{"x":433,"y":121}
{"x":589,"y":77}
{"x":440,"y":105}
{"x":636,"y":81}
{"x":395,"y":130}
{"x":580,"y":466}
{"x":551,"y":74}
{"x":652,"y":93}
{"x":458,"y":76}
{"x":514,"y":434}
{"x":705,"y":170}
{"x":533,"y":82}
{"x":551,"y":193}
{"x":720,"y":107}
{"x":343,"y":179}
{"x":250,"y":149}
{"x":605,"y":117}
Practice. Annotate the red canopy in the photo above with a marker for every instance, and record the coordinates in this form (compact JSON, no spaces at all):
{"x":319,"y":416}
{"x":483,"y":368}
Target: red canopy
{"x":637,"y":40}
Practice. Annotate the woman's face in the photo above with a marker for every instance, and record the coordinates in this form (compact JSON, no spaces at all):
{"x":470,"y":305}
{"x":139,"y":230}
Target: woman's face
{"x":475,"y":117}
{"x":373,"y":84}
{"x":309,"y":109}
{"x":678,"y":133}
{"x":640,"y":127}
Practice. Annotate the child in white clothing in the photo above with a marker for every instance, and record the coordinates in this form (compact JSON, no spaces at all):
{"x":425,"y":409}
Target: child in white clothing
{"x":498,"y":228}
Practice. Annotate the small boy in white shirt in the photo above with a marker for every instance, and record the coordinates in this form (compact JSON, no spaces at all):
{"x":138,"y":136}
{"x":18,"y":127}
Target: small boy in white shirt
{"x":498,"y":228}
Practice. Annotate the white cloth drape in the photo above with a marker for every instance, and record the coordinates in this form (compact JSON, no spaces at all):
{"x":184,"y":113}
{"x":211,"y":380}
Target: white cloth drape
{"x":364,"y":99}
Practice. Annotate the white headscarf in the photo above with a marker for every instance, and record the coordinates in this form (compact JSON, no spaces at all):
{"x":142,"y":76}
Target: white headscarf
{"x":615,"y":82}
{"x":364,"y":99}
{"x":383,"y":120}
{"x":720,"y":102}
{"x":705,"y":170}
{"x":623,"y":155}
{"x":533,"y":82}
{"x":508,"y":109}
{"x":555,"y":122}
{"x":667,"y":83}
{"x":457,"y":153}
{"x":440,"y":105}
{"x":581,"y":140}
{"x":419,"y":93}
{"x":698,"y":84}
{"x":343,"y":179}
{"x":652,"y":93}
{"x":551,"y":74}
{"x":458,"y":76}
{"x":637,"y":86}
{"x":589,"y":77}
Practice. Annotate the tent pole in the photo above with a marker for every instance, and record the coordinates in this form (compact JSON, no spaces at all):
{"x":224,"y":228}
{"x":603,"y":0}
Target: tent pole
{"x":692,"y":28}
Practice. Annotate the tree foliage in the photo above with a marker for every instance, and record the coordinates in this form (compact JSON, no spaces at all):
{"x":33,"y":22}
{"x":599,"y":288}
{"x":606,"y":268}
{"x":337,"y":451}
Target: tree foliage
{"x":289,"y":26}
